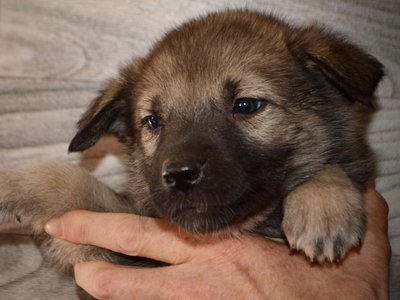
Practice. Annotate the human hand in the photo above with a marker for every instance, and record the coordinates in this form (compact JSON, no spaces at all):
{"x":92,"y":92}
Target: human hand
{"x":249,"y":267}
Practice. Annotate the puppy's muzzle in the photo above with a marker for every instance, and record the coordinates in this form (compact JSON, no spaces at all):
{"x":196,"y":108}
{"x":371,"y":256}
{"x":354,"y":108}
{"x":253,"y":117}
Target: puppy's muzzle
{"x":183,"y":174}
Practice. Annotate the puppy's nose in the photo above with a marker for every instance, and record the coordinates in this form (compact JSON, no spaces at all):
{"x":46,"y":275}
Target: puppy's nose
{"x":182,"y":175}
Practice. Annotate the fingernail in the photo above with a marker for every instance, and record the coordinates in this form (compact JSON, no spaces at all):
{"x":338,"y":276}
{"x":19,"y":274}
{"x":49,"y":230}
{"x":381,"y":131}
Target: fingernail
{"x":54,"y":227}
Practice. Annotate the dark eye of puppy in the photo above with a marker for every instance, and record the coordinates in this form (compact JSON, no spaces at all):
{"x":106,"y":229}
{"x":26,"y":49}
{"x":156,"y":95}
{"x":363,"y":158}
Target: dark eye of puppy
{"x":246,"y":106}
{"x":152,"y":122}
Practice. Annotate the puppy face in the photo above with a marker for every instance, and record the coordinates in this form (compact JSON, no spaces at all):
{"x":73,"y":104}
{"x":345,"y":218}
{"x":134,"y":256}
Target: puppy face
{"x":228,"y":113}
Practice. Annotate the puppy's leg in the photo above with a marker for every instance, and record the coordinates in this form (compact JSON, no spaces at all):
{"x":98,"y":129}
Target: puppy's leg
{"x":34,"y":194}
{"x":324,"y":217}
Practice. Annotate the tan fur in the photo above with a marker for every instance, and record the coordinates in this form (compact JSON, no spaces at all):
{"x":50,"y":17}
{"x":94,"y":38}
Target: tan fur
{"x":323,"y":209}
{"x":36,"y":193}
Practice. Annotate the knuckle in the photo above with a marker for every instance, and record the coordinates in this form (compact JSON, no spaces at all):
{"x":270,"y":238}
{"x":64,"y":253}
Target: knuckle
{"x":102,"y":284}
{"x":385,"y":206}
{"x":386,"y":247}
{"x":130,"y":235}
{"x":75,"y":230}
{"x":95,"y":279}
{"x":381,"y":203}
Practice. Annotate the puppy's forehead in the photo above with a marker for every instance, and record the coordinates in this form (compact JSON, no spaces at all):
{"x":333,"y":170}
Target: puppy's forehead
{"x":200,"y":59}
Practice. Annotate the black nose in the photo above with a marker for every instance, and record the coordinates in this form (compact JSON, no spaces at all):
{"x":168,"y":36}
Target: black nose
{"x":182,"y":175}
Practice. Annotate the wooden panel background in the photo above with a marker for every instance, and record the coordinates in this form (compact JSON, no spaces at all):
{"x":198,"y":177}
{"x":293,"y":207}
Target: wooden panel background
{"x":55,"y":55}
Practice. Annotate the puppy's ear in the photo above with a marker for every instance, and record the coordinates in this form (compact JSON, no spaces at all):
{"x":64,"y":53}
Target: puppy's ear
{"x":108,"y":114}
{"x":355,"y":73}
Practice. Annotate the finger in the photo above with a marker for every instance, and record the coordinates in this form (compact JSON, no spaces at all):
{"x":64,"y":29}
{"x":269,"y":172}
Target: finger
{"x":376,"y":236}
{"x":377,"y":211}
{"x":376,"y":239}
{"x":371,"y":261}
{"x":107,"y":281}
{"x":375,"y":247}
{"x":124,"y":233}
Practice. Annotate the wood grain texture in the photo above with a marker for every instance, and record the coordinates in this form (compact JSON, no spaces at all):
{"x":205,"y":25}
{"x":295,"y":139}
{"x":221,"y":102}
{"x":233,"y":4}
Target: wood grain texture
{"x":55,"y":55}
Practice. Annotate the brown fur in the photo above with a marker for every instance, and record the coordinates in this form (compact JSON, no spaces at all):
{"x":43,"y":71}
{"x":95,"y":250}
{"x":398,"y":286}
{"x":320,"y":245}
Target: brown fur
{"x":296,"y":165}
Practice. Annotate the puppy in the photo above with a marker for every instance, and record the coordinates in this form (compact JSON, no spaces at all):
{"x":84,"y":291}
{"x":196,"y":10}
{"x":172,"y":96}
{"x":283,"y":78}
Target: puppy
{"x":234,"y":121}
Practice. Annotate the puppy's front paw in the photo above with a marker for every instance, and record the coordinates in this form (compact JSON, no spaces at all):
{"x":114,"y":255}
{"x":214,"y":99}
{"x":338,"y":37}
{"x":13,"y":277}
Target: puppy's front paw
{"x":8,"y":208}
{"x":33,"y":194}
{"x":29,"y":195}
{"x":324,"y":217}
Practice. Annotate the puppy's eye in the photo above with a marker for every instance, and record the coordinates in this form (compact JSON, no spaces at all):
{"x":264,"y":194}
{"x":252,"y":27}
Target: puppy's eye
{"x":246,"y":106}
{"x":152,"y":122}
